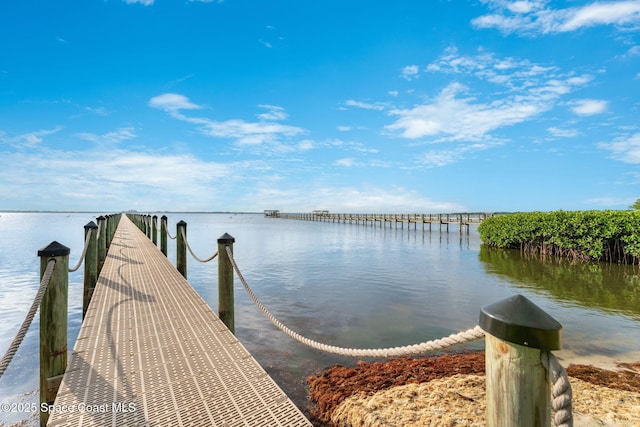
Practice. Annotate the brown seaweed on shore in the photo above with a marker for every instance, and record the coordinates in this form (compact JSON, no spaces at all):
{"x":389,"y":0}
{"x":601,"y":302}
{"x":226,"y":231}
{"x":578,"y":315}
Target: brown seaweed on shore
{"x":328,"y":389}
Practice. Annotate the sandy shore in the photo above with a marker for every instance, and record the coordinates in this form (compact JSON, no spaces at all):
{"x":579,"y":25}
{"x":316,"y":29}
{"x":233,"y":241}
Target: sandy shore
{"x":449,"y":390}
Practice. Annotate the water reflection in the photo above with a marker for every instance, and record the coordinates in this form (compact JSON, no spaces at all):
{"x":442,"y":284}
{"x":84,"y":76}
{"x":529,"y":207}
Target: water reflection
{"x":603,"y":286}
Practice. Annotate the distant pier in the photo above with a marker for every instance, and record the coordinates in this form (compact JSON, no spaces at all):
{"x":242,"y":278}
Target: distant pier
{"x":463,"y":220}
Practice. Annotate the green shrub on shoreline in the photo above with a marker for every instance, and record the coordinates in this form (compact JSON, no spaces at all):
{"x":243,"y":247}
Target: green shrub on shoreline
{"x":611,"y":236}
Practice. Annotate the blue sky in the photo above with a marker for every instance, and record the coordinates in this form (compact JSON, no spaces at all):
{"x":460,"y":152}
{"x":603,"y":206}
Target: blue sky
{"x":351,"y":106}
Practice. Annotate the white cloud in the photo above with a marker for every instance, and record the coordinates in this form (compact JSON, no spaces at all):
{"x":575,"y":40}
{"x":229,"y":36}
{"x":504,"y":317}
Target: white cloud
{"x":625,"y":149}
{"x":113,"y":137}
{"x":343,"y":128}
{"x":563,"y":133}
{"x":28,"y":140}
{"x":117,"y":179}
{"x":393,"y":93}
{"x":274,"y":113}
{"x":246,"y":134}
{"x":439,"y":158}
{"x":142,"y":2}
{"x":409,"y":72}
{"x":534,"y":18}
{"x":462,"y":118}
{"x":451,"y":116}
{"x":346,"y":162}
{"x":589,"y":107}
{"x":378,"y":106}
{"x":172,"y":102}
{"x":349,"y":199}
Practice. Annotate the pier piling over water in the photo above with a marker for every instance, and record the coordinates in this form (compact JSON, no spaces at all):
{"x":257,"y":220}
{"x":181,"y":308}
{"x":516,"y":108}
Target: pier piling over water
{"x":462,"y":220}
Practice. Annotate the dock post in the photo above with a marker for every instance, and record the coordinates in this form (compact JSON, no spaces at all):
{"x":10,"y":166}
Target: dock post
{"x":225,"y":282}
{"x":102,"y":242}
{"x":181,"y":248}
{"x":163,"y":234}
{"x":53,"y":324}
{"x":90,"y":265}
{"x":518,"y":385}
{"x":154,"y":229}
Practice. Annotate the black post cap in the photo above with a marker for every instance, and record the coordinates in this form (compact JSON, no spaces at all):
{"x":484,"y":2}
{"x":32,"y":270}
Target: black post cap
{"x":518,"y":320}
{"x":54,"y":249}
{"x":226,"y":238}
{"x":90,"y":224}
{"x":181,"y":223}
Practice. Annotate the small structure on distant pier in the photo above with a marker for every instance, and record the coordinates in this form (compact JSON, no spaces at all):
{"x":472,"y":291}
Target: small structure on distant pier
{"x":319,"y":212}
{"x":273,"y":213}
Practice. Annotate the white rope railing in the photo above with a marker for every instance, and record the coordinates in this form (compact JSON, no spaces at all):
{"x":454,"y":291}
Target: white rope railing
{"x":191,"y":252}
{"x":169,"y":234}
{"x":561,"y":394}
{"x":15,"y":344}
{"x":469,"y":335}
{"x":84,"y":251}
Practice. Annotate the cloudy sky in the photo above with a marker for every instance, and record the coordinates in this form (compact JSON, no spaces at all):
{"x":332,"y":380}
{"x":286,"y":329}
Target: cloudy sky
{"x":403,"y":106}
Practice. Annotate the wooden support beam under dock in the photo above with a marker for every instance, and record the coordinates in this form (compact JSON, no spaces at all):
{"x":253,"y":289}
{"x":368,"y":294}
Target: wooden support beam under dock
{"x":151,"y":352}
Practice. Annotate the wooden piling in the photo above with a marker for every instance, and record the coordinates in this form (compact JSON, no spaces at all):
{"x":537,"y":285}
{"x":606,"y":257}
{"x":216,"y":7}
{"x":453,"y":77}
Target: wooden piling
{"x":181,"y":248}
{"x":518,"y":385}
{"x":225,"y":282}
{"x":102,"y":242}
{"x":53,"y":324}
{"x":154,"y":229}
{"x":163,"y":234}
{"x":90,"y":265}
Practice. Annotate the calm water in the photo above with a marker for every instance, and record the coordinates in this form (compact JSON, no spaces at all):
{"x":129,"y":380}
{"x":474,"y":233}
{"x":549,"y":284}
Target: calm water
{"x":349,"y":285}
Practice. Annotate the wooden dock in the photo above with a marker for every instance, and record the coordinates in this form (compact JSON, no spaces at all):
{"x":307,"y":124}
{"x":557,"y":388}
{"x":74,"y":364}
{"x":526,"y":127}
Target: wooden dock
{"x":463,"y":220}
{"x":151,"y":352}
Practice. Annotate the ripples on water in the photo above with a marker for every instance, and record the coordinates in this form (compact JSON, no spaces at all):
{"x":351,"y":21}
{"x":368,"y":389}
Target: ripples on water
{"x":343,"y":284}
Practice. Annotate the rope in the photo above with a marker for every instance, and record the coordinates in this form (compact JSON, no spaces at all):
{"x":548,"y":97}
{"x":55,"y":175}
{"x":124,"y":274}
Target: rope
{"x":169,"y":234}
{"x":434,"y":345}
{"x":13,"y":348}
{"x":84,"y":251}
{"x":561,"y":391}
{"x":191,"y":252}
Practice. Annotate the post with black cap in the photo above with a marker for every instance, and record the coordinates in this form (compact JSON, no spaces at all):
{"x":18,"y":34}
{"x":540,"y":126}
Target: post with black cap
{"x":181,"y":248}
{"x":225,"y":282}
{"x":518,"y":385}
{"x":102,"y":242}
{"x":53,"y":323}
{"x":163,"y":234}
{"x":90,"y":265}
{"x":154,"y":229}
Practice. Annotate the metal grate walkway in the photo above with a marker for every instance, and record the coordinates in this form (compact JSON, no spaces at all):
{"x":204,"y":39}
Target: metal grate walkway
{"x":151,"y":352}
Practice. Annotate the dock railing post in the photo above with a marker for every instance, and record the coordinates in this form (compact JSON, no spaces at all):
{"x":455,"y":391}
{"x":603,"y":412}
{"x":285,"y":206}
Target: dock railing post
{"x":154,"y":229}
{"x":181,"y":248}
{"x":163,"y":234}
{"x":90,"y":265}
{"x":225,"y":282}
{"x":518,"y":385}
{"x":102,"y":242}
{"x":53,"y":324}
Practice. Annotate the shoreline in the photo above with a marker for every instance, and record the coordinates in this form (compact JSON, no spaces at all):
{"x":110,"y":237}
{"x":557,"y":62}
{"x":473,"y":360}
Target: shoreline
{"x":422,"y":390}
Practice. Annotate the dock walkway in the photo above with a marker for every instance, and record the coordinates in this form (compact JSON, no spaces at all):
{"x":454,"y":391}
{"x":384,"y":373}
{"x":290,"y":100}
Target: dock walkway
{"x":151,"y":352}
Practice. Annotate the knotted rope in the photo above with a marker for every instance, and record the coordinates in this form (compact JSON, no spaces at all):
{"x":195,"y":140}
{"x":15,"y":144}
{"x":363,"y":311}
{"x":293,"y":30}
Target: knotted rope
{"x":84,"y":251}
{"x":561,"y":391}
{"x":434,"y":345}
{"x":191,"y":252}
{"x":15,"y":344}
